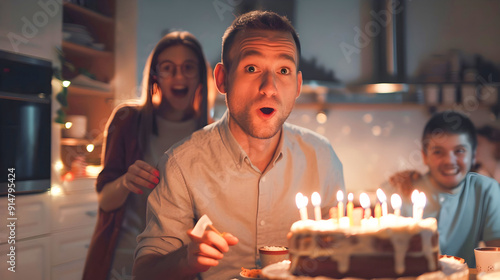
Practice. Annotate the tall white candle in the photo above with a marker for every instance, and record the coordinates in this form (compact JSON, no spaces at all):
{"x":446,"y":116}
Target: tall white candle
{"x":316,"y":202}
{"x":396,"y":204}
{"x":414,"y":201}
{"x":301,"y":202}
{"x":422,"y":200}
{"x":340,"y":205}
{"x":364,"y":200}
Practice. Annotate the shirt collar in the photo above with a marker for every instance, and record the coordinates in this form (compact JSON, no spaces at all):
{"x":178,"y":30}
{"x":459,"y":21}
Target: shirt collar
{"x":231,"y":144}
{"x":234,"y":147}
{"x":453,"y":192}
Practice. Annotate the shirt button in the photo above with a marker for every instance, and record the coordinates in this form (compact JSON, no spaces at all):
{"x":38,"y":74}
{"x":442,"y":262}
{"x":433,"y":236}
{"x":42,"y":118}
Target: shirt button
{"x":441,"y":199}
{"x":262,"y":223}
{"x":263,"y":179}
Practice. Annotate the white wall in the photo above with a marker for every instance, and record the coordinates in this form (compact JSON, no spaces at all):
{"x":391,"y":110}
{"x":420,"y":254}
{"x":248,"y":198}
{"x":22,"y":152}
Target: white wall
{"x":435,"y":27}
{"x":31,"y":27}
{"x":373,"y":142}
{"x":322,"y":26}
{"x":207,"y":20}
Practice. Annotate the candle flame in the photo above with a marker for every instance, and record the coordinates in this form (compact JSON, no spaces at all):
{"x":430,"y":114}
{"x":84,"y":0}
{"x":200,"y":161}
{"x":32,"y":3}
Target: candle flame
{"x":350,"y":197}
{"x":422,"y":200}
{"x":396,"y":201}
{"x":316,"y":199}
{"x":340,"y":196}
{"x":299,"y":200}
{"x":305,"y":201}
{"x":414,"y":196}
{"x":364,"y":200}
{"x":381,"y":195}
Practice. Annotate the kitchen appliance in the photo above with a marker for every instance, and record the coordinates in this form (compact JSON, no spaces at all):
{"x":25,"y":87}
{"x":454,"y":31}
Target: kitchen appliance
{"x":25,"y":123}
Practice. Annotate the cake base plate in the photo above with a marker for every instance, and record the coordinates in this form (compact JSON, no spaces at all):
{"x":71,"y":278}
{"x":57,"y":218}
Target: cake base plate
{"x":450,"y":270}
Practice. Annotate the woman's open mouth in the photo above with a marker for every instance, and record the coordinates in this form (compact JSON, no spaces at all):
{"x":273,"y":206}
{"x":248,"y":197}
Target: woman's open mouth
{"x":179,"y":91}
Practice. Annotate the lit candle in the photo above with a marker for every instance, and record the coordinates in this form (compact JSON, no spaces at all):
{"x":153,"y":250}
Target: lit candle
{"x":422,"y":200}
{"x":350,"y":208}
{"x":316,"y":202}
{"x":301,"y":202}
{"x":364,"y":200}
{"x":396,"y":204}
{"x":383,"y":201}
{"x":377,"y":211}
{"x":340,"y":205}
{"x":414,"y":201}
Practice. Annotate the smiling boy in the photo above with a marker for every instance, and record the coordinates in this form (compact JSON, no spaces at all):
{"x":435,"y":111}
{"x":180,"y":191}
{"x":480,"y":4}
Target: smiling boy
{"x":466,"y":204}
{"x":242,"y":171}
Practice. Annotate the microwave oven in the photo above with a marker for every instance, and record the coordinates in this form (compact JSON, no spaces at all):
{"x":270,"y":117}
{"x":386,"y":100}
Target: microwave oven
{"x":25,"y":123}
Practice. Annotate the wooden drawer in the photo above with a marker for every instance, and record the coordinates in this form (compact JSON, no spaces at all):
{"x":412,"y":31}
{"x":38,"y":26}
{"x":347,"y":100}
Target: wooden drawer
{"x":68,"y":271}
{"x":70,"y":245}
{"x":74,"y":210}
{"x":32,"y":213}
{"x":32,"y":260}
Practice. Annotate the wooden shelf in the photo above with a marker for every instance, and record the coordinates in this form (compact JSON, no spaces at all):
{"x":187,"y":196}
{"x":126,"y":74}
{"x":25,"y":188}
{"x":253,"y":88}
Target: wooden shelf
{"x":84,"y":91}
{"x":79,"y":142}
{"x":83,"y":50}
{"x":101,"y":27}
{"x":87,"y":14}
{"x":98,"y":63}
{"x":94,"y":103}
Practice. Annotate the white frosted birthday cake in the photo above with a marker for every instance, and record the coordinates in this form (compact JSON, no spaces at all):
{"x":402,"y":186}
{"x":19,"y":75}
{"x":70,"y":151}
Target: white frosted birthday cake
{"x":389,"y":248}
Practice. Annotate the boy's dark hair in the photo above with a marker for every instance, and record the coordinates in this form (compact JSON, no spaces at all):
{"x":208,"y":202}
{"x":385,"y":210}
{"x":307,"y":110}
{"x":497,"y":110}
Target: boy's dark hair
{"x":261,"y":20}
{"x":449,"y":122}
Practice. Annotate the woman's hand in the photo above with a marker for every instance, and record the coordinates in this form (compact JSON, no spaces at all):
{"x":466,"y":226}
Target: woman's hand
{"x":205,"y":252}
{"x":141,"y":175}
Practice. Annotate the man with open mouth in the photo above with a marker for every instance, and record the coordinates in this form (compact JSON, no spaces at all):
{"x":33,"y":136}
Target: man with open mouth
{"x":242,"y":171}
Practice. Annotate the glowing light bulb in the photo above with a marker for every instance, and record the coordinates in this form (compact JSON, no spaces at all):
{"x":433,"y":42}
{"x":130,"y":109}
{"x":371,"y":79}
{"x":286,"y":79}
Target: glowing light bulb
{"x":58,"y":165}
{"x":90,"y":148}
{"x":321,"y":117}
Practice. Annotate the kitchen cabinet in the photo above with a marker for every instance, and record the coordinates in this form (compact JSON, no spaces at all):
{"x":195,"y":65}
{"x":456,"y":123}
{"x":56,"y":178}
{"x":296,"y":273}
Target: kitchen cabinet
{"x":73,"y":218}
{"x":32,"y":261}
{"x":91,"y":97}
{"x":53,"y":232}
{"x":31,"y":237}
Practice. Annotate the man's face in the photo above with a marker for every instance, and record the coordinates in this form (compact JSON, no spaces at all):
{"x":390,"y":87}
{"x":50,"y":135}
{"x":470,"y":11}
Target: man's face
{"x":262,"y":82}
{"x":449,"y":158}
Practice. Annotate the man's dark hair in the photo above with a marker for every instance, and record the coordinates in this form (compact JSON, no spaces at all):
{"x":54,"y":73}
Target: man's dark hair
{"x":260,"y":20}
{"x":449,"y":122}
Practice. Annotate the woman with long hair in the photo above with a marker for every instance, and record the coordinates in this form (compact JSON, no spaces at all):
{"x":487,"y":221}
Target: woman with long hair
{"x":173,"y":105}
